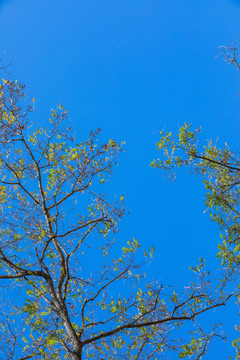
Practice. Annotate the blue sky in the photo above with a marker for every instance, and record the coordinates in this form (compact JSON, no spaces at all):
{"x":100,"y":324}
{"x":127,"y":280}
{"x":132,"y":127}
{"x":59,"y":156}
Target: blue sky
{"x":134,"y":68}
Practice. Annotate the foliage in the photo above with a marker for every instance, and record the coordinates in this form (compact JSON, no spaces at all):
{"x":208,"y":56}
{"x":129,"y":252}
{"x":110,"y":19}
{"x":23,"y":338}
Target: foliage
{"x":220,"y":171}
{"x":55,"y":222}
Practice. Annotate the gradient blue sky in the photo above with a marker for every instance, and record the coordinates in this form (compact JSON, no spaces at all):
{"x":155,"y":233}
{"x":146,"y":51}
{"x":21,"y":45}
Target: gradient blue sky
{"x":134,"y":68}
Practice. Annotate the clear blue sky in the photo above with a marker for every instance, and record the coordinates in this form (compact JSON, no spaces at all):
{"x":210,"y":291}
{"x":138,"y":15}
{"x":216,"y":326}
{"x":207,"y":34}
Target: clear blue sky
{"x":133,"y":68}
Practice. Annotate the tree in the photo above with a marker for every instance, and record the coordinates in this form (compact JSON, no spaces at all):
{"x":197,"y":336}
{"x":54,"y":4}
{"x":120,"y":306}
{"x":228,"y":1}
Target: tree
{"x":220,"y":170}
{"x":56,"y":302}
